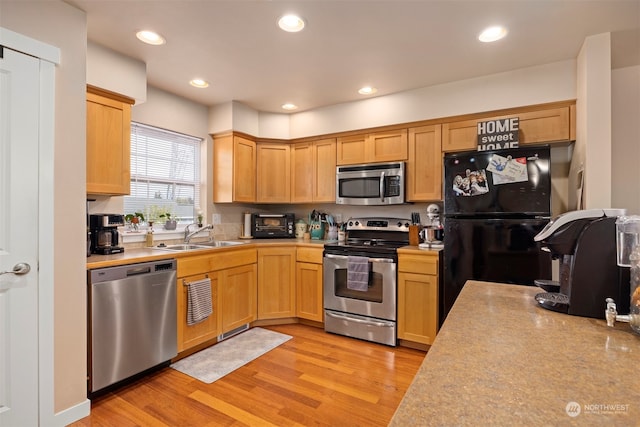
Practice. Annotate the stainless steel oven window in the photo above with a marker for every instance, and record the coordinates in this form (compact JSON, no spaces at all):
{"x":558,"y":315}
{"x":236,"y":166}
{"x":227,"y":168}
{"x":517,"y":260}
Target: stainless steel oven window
{"x":373,"y":293}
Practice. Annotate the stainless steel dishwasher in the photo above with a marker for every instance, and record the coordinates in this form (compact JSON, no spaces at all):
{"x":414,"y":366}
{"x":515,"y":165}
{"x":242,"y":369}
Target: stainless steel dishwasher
{"x":132,"y":320}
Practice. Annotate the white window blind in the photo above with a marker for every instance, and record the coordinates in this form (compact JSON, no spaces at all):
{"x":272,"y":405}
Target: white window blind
{"x":165,"y":174}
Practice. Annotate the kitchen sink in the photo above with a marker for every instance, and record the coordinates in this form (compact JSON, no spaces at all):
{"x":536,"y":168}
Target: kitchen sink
{"x":197,"y":246}
{"x":182,"y":247}
{"x":220,"y":243}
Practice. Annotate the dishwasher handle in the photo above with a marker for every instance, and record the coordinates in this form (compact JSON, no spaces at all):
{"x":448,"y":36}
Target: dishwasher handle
{"x":138,"y":270}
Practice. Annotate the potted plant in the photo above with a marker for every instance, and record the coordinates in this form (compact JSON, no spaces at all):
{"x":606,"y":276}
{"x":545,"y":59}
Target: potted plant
{"x":134,"y":219}
{"x":170,"y":224}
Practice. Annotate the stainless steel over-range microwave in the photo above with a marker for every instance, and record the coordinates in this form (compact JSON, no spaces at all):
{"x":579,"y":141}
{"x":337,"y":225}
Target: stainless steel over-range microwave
{"x":370,"y":184}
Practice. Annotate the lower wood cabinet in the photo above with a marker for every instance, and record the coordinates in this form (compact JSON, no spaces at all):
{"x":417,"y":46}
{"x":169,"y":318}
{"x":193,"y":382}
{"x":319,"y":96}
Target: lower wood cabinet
{"x":233,"y":275}
{"x":418,"y":296}
{"x":191,"y":335}
{"x":309,"y":302}
{"x":276,"y":282}
{"x":237,"y":292}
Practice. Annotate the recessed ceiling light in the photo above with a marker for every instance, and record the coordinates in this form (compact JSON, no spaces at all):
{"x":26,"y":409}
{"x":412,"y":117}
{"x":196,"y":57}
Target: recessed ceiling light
{"x":150,"y":37}
{"x":367,"y":90}
{"x":199,"y":83}
{"x":289,"y":106}
{"x":291,"y":23}
{"x":492,"y":34}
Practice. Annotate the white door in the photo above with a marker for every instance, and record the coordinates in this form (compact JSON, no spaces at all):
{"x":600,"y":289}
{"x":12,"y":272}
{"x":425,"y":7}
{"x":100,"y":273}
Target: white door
{"x":19,"y":110}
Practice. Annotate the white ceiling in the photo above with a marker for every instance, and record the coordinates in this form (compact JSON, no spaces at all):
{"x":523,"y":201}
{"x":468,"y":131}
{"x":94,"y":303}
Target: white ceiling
{"x":395,"y":46}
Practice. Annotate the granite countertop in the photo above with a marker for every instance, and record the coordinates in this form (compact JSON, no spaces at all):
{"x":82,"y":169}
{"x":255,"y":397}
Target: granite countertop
{"x":499,"y":359}
{"x":135,"y":255}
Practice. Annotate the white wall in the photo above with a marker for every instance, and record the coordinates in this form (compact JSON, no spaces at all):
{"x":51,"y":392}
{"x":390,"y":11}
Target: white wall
{"x":526,"y":86}
{"x":112,"y":71}
{"x":593,"y":125}
{"x":625,"y":136}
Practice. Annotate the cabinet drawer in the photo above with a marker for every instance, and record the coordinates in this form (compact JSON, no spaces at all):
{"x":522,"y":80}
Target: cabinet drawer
{"x":199,"y":264}
{"x":419,"y":264}
{"x":311,"y":255}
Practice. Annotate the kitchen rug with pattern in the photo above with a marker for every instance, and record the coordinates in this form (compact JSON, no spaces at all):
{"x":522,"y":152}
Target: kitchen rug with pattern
{"x":215,"y":362}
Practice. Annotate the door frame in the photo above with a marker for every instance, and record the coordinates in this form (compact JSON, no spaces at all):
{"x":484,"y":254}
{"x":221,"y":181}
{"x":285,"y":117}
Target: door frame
{"x":49,"y":57}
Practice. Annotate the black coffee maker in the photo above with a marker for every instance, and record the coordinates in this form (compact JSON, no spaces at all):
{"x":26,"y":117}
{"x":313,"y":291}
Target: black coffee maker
{"x":104,"y":233}
{"x":585,"y":243}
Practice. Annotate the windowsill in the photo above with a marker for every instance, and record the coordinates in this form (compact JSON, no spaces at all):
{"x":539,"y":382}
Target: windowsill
{"x":158,"y":235}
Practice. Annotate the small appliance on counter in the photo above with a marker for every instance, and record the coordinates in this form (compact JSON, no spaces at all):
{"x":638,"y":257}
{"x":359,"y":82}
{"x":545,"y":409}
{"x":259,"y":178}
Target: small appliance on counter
{"x":585,"y":243}
{"x":433,"y":232}
{"x":270,"y":225}
{"x":628,"y":253}
{"x":104,"y":233}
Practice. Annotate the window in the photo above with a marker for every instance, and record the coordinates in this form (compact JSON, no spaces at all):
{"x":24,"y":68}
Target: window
{"x":165,"y":174}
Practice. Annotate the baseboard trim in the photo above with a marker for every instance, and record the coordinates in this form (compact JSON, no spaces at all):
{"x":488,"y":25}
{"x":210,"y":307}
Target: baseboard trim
{"x":73,"y":414}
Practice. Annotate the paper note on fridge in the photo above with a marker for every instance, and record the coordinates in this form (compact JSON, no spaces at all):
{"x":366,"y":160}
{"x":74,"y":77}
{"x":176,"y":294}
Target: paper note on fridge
{"x":507,"y":170}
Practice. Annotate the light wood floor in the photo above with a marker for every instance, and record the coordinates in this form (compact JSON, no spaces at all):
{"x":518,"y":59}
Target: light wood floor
{"x":314,"y":379}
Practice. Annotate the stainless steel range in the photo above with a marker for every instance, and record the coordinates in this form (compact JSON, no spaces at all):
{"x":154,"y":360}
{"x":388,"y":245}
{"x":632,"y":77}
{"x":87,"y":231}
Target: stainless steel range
{"x":360,"y":279}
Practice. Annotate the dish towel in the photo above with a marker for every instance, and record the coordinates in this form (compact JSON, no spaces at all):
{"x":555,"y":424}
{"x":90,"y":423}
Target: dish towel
{"x":199,"y":305}
{"x":358,"y":273}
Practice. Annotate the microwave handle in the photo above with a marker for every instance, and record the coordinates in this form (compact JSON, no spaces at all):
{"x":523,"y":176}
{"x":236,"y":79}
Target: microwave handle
{"x":382,"y":186}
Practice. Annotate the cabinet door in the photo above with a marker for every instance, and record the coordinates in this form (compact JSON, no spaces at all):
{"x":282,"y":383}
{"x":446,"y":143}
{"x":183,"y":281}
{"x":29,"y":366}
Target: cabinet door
{"x":324,"y":162}
{"x":274,"y":173}
{"x":387,"y":146}
{"x":351,"y":150}
{"x":237,"y":290}
{"x":417,"y":307}
{"x":302,"y":172}
{"x":424,"y":167}
{"x":309,"y":303}
{"x":191,"y":335}
{"x":244,"y":170}
{"x":536,"y":127}
{"x":108,"y":145}
{"x":276,"y":282}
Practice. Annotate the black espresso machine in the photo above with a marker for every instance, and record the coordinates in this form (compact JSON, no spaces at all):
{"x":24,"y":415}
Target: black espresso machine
{"x":104,"y":233}
{"x":585,"y":243}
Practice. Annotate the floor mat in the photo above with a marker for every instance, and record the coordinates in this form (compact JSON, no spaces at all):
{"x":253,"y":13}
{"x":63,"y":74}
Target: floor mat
{"x":217,"y":361}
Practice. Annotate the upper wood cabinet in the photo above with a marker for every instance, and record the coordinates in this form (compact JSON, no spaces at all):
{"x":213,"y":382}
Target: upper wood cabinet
{"x":536,"y":126}
{"x":108,"y":142}
{"x":375,"y":147}
{"x":234,"y":169}
{"x":313,"y":171}
{"x":424,"y":166}
{"x":273,"y":173}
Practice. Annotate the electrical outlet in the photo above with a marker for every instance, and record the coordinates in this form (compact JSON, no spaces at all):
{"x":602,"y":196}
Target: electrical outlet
{"x":215,"y":219}
{"x":338,"y":218}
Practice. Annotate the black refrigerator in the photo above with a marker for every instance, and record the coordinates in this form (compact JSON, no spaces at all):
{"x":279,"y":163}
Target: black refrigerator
{"x":495,"y":202}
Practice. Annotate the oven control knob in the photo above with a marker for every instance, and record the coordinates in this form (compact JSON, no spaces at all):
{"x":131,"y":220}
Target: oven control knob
{"x":399,"y":224}
{"x":357,"y":223}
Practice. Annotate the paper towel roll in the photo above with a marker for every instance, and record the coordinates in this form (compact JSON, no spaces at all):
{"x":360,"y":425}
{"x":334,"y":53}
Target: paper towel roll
{"x":247,"y":224}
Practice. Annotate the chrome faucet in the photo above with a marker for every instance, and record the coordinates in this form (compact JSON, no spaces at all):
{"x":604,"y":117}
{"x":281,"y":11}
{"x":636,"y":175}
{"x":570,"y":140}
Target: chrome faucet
{"x":188,"y":235}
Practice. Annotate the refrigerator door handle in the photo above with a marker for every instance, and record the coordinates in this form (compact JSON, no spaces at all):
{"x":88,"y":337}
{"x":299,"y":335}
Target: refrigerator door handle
{"x":382,"y":187}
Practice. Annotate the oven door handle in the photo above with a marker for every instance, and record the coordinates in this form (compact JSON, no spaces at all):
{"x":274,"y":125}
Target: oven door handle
{"x":385,"y":260}
{"x":353,"y":319}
